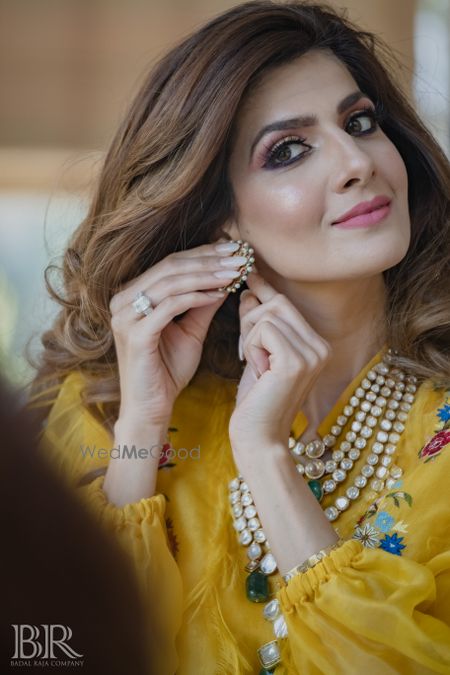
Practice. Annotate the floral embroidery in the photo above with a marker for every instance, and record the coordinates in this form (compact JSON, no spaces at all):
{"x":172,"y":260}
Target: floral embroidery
{"x":367,"y":535}
{"x":373,"y":508}
{"x":384,"y":521}
{"x":400,"y":495}
{"x":444,"y":413}
{"x":392,"y":544}
{"x":370,"y":534}
{"x":395,"y":496}
{"x":433,"y":448}
{"x":441,"y":438}
{"x":167,"y":454}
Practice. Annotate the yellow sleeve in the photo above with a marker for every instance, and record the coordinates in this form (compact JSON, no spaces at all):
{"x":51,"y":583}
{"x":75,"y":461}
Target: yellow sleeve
{"x":71,"y":439}
{"x":371,"y":609}
{"x":383,"y":612}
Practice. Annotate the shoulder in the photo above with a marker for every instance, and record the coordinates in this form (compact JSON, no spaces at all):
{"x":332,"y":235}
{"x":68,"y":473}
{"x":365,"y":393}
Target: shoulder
{"x":70,"y":427}
{"x":430,"y":419}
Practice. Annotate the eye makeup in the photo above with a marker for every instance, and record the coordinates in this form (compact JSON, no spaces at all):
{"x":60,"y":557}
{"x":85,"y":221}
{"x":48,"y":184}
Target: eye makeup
{"x":267,"y":157}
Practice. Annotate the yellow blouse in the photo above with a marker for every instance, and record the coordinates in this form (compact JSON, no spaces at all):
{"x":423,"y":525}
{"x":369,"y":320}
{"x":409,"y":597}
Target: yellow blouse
{"x":378,"y":604}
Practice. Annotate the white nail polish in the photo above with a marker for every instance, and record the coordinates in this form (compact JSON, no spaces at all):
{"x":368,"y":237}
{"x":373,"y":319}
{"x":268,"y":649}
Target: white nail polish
{"x":229,"y":247}
{"x":240,"y":350}
{"x":233,"y":261}
{"x":227,"y":274}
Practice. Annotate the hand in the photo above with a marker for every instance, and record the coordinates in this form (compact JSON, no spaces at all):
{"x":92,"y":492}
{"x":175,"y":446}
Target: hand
{"x":284,"y":358}
{"x":157,"y":355}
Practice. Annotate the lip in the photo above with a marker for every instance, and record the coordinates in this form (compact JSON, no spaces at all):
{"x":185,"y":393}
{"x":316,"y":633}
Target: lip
{"x":365,"y":220}
{"x":365,"y":214}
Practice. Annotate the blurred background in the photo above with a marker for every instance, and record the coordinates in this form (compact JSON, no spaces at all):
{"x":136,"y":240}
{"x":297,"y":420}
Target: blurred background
{"x":68,"y":69}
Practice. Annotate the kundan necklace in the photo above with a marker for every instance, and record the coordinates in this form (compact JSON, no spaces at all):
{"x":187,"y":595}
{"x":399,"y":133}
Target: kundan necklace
{"x":378,"y":407}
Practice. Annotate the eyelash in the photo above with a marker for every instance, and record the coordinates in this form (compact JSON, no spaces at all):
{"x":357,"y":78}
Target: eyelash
{"x":270,"y":152}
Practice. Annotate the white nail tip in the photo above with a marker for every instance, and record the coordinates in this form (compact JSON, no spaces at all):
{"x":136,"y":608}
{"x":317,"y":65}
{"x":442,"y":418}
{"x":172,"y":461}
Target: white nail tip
{"x":229,"y":247}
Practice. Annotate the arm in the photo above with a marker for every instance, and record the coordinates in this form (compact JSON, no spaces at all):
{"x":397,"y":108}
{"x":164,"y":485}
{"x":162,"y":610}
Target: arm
{"x":379,"y":612}
{"x":371,"y":609}
{"x":131,"y":478}
{"x":138,"y":526}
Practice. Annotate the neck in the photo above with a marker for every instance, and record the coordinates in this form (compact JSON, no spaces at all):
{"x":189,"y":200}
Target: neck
{"x":349,"y":315}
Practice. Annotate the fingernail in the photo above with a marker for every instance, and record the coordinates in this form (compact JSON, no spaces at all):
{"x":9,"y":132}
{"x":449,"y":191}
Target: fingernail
{"x":227,"y":274}
{"x":216,"y":294}
{"x":229,"y":247}
{"x":234,"y":261}
{"x":240,"y":350}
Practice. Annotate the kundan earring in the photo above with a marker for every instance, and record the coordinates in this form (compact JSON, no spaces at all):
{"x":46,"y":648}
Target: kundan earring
{"x":245,"y":250}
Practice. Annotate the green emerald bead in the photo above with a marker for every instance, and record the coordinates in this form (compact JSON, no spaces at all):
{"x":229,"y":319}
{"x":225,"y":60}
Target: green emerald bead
{"x":263,"y":671}
{"x":316,"y":489}
{"x":257,"y":587}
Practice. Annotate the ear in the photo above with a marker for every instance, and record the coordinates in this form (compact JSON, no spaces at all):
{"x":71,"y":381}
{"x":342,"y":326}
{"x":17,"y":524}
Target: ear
{"x":230,"y":229}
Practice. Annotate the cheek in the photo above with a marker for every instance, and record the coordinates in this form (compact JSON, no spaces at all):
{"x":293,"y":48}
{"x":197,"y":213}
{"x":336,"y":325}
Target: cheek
{"x":279,"y":204}
{"x":392,"y":167}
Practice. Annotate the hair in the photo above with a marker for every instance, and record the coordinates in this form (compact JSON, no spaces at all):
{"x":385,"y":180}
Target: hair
{"x":164,"y":187}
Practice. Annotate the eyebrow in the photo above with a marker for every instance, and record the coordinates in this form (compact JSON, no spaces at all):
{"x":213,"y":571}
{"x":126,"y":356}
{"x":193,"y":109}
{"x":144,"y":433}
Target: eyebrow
{"x":305,"y":120}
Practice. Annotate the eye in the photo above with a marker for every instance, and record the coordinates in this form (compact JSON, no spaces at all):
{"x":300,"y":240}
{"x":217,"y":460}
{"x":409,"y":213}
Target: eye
{"x":285,"y":152}
{"x":363,"y":122}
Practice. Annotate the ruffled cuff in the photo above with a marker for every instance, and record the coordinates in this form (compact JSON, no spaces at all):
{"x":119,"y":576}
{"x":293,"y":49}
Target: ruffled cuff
{"x":303,"y":587}
{"x":143,"y":512}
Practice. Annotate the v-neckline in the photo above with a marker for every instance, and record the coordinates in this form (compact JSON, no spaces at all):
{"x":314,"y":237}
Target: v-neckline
{"x":301,"y":423}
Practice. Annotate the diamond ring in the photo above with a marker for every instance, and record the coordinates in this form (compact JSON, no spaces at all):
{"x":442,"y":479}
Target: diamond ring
{"x":142,"y":304}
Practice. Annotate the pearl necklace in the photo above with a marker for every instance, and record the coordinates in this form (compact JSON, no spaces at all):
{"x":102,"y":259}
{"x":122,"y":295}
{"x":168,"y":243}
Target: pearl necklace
{"x":379,"y":405}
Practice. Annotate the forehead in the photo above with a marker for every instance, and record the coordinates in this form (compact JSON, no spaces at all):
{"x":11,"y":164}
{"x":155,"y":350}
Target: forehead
{"x":311,"y":82}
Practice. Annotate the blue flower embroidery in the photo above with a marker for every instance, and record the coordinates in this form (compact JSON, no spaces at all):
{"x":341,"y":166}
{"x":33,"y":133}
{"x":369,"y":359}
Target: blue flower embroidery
{"x":384,"y":521}
{"x":444,"y":413}
{"x":392,"y":544}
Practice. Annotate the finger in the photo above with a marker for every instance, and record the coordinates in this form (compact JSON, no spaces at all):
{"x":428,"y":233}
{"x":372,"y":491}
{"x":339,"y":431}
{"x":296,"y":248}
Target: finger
{"x":248,"y":378}
{"x":260,"y":287}
{"x":209,"y":249}
{"x":198,"y":319}
{"x":151,"y":325}
{"x":281,"y":307}
{"x":297,"y":344}
{"x":172,"y":279}
{"x":283,"y":356}
{"x":247,"y":302}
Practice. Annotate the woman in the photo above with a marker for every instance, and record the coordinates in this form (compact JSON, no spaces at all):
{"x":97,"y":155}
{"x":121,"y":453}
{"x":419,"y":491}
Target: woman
{"x":304,"y":421}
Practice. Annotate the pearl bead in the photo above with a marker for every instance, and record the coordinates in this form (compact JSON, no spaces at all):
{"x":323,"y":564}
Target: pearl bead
{"x":250,"y":511}
{"x":315,"y":469}
{"x":254,"y":551}
{"x":331,"y":513}
{"x":342,"y":503}
{"x":339,"y":475}
{"x":360,"y":481}
{"x":329,"y":485}
{"x":354,"y":454}
{"x":352,"y":492}
{"x":245,"y":537}
{"x":259,"y":536}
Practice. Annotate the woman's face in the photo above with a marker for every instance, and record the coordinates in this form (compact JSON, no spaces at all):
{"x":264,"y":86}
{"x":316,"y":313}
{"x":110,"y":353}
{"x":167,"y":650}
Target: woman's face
{"x":296,"y":181}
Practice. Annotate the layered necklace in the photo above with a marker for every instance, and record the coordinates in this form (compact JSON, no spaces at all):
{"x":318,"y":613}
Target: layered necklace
{"x":378,"y":408}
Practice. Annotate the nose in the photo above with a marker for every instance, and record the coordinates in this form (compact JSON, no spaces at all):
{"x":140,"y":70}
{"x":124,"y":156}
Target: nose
{"x":352,"y":165}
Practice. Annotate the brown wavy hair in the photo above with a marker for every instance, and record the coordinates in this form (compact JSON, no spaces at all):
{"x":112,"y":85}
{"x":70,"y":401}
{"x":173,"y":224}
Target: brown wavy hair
{"x":164,"y":187}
